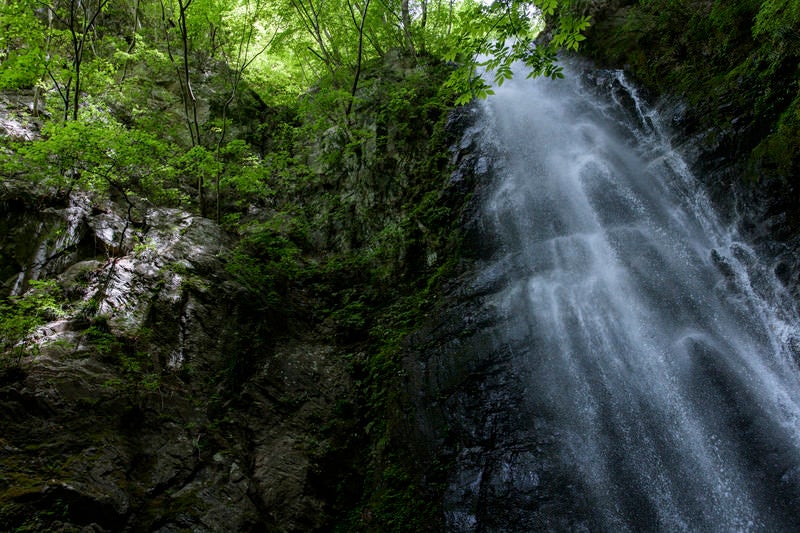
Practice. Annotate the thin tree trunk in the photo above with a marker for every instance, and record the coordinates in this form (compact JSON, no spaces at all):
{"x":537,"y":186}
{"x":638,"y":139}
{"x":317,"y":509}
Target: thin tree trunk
{"x":178,"y":72}
{"x":79,"y":45}
{"x":406,"y":17}
{"x":77,"y":94}
{"x":183,"y":7}
{"x":422,"y":24}
{"x":133,"y":38}
{"x":358,"y":57}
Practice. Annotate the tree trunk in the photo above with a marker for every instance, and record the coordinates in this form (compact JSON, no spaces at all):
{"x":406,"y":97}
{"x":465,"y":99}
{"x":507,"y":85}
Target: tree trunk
{"x":359,"y":56}
{"x":406,"y":19}
{"x":194,"y":125}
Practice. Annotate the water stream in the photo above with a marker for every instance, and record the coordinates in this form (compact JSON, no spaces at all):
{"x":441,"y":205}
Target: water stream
{"x":649,"y":338}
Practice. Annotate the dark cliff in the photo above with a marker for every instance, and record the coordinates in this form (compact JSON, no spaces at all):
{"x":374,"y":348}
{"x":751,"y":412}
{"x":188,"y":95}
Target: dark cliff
{"x":727,"y":73}
{"x":170,"y":374}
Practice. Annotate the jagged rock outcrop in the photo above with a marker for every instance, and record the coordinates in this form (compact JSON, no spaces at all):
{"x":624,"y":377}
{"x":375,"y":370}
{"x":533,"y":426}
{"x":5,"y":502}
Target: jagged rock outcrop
{"x":16,"y":122}
{"x":169,"y":393}
{"x":156,"y":400}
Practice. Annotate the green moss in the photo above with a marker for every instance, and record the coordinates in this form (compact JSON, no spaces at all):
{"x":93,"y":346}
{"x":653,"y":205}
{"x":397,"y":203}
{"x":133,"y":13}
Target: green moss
{"x":20,"y":486}
{"x":390,"y":244}
{"x":360,"y":250}
{"x":20,"y":316}
{"x":397,"y":506}
{"x":729,"y":60}
{"x":778,"y":155}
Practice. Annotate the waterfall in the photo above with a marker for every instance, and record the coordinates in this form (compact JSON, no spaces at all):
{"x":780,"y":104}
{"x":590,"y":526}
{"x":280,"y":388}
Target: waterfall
{"x":654,"y":347}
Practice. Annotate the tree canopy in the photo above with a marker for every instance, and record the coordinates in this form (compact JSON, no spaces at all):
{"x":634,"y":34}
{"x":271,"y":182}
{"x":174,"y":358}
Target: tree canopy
{"x":75,"y":48}
{"x":108,"y":72}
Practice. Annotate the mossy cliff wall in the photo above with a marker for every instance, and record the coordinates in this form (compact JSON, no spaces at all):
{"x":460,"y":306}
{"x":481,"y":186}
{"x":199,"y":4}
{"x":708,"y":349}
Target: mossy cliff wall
{"x":184,"y":376}
{"x":727,"y":75}
{"x":734,"y":64}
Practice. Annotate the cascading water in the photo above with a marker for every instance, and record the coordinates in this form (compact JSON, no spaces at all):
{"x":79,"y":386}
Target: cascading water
{"x":653,"y":347}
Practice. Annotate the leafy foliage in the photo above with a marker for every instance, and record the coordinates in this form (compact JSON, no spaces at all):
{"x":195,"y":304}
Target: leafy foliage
{"x":21,"y":315}
{"x":267,"y":259}
{"x":97,"y":153}
{"x":498,"y":34}
{"x":22,"y":47}
{"x":777,"y":19}
{"x":113,"y":70}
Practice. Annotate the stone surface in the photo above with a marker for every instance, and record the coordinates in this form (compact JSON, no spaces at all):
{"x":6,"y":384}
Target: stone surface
{"x":16,"y":122}
{"x":129,"y":413}
{"x":169,"y":396}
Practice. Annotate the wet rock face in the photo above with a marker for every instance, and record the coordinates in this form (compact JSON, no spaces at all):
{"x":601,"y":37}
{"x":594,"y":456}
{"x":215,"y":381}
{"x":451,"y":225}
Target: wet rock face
{"x":471,"y":429}
{"x":16,"y":122}
{"x":473,"y":415}
{"x":723,"y":123}
{"x":158,"y":400}
{"x":763,"y":210}
{"x":168,"y":397}
{"x":475,"y":427}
